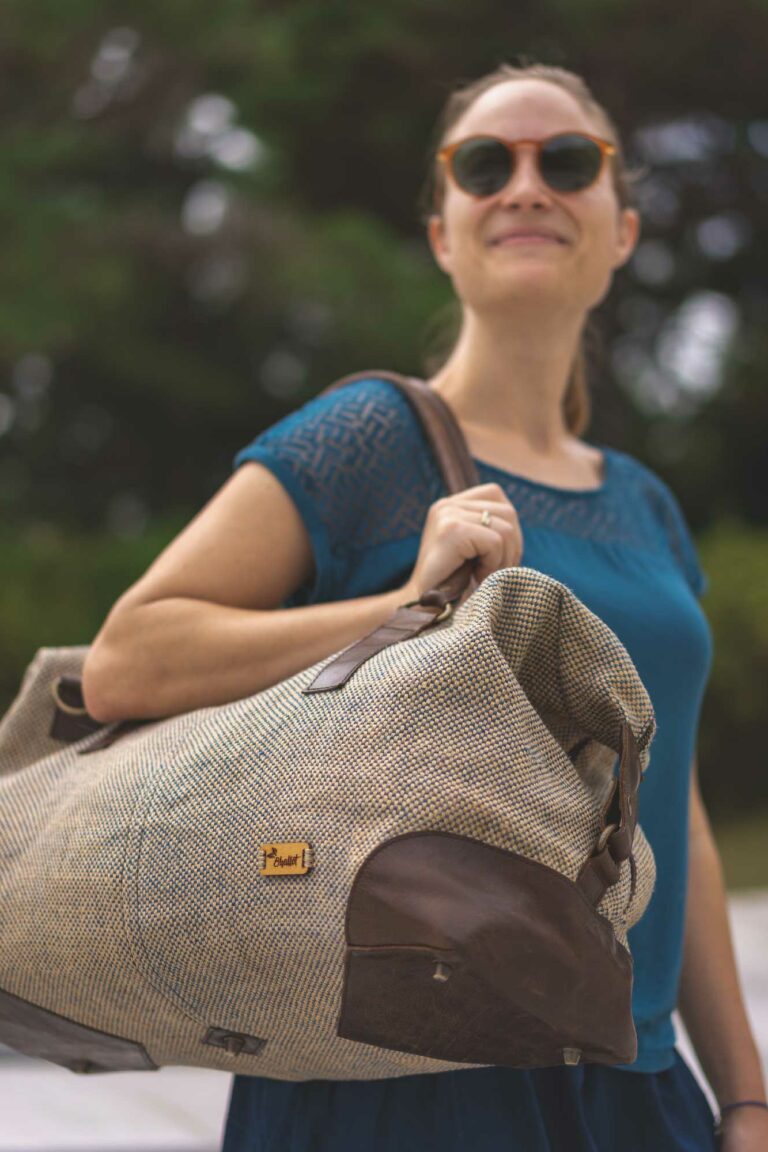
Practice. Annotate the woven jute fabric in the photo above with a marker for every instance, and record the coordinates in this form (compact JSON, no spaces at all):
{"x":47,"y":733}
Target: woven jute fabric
{"x":130,"y":893}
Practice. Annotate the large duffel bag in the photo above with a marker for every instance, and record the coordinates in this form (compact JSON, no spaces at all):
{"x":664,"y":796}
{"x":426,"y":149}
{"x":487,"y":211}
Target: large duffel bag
{"x":418,"y":854}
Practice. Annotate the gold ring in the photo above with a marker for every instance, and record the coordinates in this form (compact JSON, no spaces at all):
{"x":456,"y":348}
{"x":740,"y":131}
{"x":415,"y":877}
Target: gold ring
{"x":485,"y":519}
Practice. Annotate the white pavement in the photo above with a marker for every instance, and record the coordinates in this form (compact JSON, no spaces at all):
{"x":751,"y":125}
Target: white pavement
{"x":44,"y":1108}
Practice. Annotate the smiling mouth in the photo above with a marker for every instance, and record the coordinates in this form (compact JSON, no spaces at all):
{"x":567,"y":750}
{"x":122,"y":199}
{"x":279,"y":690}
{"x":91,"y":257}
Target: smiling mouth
{"x":526,"y":239}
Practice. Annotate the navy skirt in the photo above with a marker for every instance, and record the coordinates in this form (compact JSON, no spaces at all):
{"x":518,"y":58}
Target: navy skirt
{"x":580,"y":1108}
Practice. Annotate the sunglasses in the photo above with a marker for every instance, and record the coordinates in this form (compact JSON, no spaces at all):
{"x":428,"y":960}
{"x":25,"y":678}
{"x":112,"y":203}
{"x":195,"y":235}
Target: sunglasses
{"x":567,"y":162}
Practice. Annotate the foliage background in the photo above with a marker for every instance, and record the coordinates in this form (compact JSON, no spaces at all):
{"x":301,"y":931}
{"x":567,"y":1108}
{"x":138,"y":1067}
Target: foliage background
{"x":210,"y":213}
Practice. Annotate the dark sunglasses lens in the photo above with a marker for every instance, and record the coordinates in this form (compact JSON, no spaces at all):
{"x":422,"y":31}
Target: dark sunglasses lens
{"x":570,"y":162}
{"x":481,"y":167}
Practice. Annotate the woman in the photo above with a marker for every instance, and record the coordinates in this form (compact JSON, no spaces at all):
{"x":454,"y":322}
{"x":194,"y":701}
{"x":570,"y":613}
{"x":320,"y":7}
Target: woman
{"x":338,"y":519}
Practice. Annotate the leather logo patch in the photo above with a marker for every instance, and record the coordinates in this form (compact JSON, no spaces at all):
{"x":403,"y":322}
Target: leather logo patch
{"x":292,"y":858}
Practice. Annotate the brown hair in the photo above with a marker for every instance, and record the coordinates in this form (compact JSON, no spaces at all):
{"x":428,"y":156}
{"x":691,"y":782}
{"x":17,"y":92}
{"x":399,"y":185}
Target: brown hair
{"x":444,"y":328}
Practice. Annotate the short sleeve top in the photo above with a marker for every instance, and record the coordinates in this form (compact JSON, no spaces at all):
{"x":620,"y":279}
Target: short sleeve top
{"x":361,"y":473}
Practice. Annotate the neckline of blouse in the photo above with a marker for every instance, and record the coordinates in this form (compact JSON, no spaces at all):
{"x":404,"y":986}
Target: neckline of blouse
{"x":608,"y":462}
{"x":607,"y":472}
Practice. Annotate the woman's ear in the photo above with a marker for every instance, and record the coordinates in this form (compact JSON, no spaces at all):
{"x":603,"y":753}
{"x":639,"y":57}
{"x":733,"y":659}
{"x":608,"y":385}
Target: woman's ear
{"x":627,"y":235}
{"x":438,"y":241}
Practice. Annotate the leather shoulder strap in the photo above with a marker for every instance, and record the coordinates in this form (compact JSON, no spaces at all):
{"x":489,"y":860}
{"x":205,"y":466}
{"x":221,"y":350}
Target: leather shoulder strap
{"x":458,"y":472}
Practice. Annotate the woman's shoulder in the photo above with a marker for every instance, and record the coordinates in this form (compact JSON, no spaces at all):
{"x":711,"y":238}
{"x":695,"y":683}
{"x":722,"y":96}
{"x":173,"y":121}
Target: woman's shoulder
{"x":354,"y":462}
{"x":355,"y":455}
{"x":365,"y":394}
{"x":365,"y":416}
{"x":375,"y":401}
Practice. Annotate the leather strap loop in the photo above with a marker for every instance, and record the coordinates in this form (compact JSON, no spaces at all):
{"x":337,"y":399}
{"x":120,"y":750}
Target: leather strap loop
{"x":602,"y":868}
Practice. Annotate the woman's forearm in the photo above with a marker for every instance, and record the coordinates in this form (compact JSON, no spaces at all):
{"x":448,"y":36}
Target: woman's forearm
{"x":175,"y":655}
{"x":711,"y":1003}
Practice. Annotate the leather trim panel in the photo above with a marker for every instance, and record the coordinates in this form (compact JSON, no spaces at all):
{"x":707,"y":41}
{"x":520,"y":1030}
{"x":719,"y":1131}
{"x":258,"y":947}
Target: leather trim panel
{"x":47,"y":1036}
{"x":462,"y":951}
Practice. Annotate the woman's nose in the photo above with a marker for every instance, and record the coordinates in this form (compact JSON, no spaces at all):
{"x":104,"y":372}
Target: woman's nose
{"x":525,"y":184}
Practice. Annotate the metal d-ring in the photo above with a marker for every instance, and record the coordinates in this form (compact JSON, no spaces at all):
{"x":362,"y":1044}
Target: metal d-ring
{"x":70,"y":709}
{"x":604,"y":836}
{"x":445,"y":612}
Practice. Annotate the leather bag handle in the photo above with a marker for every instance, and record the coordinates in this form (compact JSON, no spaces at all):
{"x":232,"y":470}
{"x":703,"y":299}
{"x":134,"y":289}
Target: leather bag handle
{"x":458,"y":472}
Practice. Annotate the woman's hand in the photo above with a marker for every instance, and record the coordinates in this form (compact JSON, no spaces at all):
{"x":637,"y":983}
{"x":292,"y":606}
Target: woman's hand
{"x":453,"y":532}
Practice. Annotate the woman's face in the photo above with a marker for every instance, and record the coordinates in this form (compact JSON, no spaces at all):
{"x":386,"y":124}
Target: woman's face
{"x":598,"y":235}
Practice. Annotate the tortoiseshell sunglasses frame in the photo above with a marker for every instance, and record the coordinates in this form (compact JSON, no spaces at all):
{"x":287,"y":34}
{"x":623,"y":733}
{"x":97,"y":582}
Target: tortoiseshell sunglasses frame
{"x":445,"y":158}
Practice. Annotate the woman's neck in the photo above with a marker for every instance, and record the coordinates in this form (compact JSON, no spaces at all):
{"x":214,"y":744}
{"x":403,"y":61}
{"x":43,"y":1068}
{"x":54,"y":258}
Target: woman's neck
{"x":503,"y":382}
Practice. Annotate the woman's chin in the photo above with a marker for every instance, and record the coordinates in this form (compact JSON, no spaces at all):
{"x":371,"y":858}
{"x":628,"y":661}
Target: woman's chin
{"x":531,"y":279}
{"x":520,"y":292}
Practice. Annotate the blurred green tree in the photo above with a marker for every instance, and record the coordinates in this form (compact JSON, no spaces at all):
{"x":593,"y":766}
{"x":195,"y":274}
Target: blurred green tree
{"x":208,"y":214}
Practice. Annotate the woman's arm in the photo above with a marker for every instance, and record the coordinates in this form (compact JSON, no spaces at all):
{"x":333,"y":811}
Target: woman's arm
{"x":710,"y":999}
{"x":204,"y":625}
{"x":175,"y":655}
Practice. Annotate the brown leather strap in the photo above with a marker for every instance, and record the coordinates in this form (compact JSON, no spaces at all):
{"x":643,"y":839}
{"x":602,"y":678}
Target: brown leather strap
{"x":601,"y":869}
{"x":112,"y":732}
{"x":458,"y":472}
{"x":406,"y":623}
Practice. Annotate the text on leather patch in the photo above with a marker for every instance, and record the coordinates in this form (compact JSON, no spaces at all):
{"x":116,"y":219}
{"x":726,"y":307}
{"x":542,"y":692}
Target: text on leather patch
{"x":286,"y":859}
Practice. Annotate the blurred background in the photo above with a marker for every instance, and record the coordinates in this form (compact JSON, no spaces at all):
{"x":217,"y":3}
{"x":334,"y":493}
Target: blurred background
{"x":209,"y":213}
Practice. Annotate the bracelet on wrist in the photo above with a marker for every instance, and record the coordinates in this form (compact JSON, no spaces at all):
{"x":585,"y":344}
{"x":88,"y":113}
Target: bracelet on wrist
{"x":736,"y":1104}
